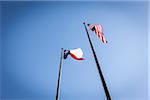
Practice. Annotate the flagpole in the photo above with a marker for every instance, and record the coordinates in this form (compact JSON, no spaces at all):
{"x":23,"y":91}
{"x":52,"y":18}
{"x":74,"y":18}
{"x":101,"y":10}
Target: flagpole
{"x":59,"y":75}
{"x":98,"y":66}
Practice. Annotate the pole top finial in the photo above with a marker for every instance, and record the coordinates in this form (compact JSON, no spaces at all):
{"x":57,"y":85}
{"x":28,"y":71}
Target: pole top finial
{"x":88,"y":24}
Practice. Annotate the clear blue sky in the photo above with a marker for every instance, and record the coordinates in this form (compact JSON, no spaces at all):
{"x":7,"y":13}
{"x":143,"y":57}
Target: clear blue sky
{"x":33,"y":34}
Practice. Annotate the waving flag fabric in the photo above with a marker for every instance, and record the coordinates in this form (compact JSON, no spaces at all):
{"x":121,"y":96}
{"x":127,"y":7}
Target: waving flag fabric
{"x":99,"y":31}
{"x":75,"y":53}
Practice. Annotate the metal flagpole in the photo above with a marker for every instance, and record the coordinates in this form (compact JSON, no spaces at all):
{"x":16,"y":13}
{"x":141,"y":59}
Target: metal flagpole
{"x":98,"y":66}
{"x":59,"y":75}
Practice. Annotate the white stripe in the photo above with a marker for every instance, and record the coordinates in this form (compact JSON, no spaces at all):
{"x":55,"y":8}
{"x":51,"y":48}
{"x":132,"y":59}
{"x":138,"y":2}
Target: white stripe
{"x":77,"y":52}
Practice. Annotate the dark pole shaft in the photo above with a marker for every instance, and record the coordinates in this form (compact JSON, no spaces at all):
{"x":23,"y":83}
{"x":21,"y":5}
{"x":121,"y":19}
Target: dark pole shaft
{"x":98,"y":67}
{"x":59,"y":75}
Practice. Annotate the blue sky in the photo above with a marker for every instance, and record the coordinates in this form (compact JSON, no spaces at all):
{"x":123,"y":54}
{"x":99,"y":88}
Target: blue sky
{"x":33,"y":34}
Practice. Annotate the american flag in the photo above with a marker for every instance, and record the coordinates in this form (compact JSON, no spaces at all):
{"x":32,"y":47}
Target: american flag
{"x":99,"y":31}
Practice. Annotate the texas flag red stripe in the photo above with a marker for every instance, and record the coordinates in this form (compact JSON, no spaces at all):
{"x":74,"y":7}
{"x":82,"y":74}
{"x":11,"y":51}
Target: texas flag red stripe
{"x":75,"y":57}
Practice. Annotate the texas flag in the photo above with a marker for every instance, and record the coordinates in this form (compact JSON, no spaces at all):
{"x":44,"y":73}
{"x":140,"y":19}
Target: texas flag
{"x":75,"y":53}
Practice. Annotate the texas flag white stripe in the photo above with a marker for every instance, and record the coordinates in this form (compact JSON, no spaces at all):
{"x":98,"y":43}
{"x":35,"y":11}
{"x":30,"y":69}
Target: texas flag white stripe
{"x":77,"y":54}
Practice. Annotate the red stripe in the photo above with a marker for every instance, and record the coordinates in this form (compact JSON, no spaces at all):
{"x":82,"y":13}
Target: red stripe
{"x":103,"y":39}
{"x":75,"y":57}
